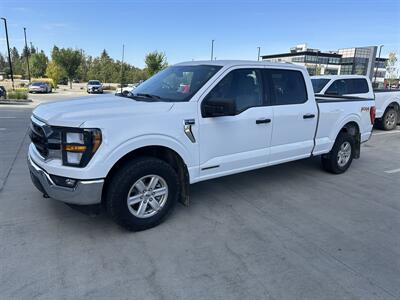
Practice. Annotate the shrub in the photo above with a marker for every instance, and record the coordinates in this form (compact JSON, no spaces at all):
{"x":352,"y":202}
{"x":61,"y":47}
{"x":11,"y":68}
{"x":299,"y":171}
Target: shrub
{"x":21,"y":90}
{"x":48,"y":80}
{"x":109,"y":88}
{"x":18,"y":95}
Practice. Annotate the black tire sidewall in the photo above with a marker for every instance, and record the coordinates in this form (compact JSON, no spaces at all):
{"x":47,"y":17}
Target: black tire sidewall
{"x":332,"y":161}
{"x":123,"y":180}
{"x":384,"y":119}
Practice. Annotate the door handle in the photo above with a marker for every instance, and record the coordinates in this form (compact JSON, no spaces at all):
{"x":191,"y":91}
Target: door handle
{"x":309,"y":116}
{"x":263,"y":121}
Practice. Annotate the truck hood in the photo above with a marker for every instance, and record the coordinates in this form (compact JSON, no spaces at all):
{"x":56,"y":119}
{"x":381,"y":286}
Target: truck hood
{"x":73,"y":113}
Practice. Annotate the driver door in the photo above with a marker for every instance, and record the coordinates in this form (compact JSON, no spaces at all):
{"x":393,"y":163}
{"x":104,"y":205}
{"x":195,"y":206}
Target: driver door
{"x":238,"y":142}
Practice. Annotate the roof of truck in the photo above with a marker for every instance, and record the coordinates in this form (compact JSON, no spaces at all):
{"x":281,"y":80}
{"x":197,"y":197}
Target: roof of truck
{"x":350,"y":76}
{"x":229,"y":63}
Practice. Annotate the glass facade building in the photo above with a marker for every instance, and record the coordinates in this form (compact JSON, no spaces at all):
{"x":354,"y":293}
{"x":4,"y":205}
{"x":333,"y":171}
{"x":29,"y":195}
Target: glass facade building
{"x":356,"y":60}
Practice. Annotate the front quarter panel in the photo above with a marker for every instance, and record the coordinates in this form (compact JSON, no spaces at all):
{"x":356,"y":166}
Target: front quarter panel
{"x":124,"y":135}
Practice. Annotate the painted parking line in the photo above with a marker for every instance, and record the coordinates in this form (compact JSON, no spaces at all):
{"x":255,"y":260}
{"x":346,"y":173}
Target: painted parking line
{"x":1,"y":129}
{"x":8,"y":117}
{"x":388,"y":132}
{"x":393,"y":171}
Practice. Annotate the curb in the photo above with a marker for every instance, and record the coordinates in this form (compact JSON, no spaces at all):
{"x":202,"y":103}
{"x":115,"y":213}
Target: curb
{"x":16,"y":102}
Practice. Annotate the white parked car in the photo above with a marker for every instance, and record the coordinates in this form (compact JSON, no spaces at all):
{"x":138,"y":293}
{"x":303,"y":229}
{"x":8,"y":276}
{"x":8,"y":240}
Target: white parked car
{"x":387,"y":102}
{"x":40,"y":87}
{"x":125,"y":90}
{"x":138,"y":155}
{"x":94,"y":86}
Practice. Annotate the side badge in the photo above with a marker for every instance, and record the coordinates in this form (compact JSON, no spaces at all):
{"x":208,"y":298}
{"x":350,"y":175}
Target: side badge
{"x":187,"y":127}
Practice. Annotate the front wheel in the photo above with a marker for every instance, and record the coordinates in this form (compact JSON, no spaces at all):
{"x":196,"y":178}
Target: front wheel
{"x":142,"y":193}
{"x":341,"y":156}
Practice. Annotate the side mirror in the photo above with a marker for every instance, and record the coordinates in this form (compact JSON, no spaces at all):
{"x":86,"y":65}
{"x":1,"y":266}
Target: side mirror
{"x":218,"y":107}
{"x":333,"y":93}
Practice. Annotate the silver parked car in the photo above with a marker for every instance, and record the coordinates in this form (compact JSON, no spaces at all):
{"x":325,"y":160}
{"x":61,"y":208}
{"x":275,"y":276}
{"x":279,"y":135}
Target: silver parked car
{"x":94,"y":86}
{"x":40,"y":87}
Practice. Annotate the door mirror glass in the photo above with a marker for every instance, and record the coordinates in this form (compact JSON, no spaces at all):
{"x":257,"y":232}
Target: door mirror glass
{"x":218,"y":107}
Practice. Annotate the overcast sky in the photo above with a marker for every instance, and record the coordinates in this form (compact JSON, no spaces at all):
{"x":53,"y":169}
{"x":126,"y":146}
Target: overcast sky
{"x":184,"y":29}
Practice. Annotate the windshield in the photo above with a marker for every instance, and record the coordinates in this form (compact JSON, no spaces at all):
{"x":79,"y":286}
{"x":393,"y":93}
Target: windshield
{"x":319,"y":84}
{"x":175,"y":84}
{"x":94,"y":82}
{"x":38,"y":83}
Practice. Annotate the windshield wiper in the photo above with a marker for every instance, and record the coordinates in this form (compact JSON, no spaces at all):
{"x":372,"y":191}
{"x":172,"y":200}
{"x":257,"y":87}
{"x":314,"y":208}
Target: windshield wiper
{"x":149,"y":96}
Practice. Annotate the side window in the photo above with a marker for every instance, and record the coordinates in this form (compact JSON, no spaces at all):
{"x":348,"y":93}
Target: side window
{"x":357,"y":86}
{"x":241,"y":85}
{"x":348,"y":86}
{"x":338,"y":87}
{"x":287,"y":86}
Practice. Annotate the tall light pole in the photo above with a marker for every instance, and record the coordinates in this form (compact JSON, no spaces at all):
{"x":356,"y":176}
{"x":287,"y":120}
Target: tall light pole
{"x":122,"y":66}
{"x":258,"y":56}
{"x":27,"y":56}
{"x":376,"y":67}
{"x":212,"y":49}
{"x":9,"y":55}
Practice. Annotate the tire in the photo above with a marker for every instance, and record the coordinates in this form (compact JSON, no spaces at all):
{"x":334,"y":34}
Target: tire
{"x":331,"y":162}
{"x":124,"y":183}
{"x":389,"y":119}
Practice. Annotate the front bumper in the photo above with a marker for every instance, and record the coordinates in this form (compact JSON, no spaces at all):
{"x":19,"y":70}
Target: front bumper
{"x":85,"y":192}
{"x":37,"y":90}
{"x":95,"y":89}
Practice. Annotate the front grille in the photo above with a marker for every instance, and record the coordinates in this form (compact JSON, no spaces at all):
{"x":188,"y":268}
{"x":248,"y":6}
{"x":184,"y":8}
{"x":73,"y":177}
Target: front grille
{"x":39,"y":139}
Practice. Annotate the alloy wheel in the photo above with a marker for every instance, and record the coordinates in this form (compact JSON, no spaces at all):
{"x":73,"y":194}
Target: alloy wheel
{"x":147,"y":196}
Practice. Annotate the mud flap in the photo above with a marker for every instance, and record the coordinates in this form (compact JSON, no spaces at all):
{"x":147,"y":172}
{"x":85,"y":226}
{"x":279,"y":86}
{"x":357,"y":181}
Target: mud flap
{"x":184,"y":193}
{"x":357,"y":142}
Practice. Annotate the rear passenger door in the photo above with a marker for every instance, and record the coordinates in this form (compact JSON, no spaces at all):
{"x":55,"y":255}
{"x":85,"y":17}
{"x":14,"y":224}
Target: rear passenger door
{"x":294,"y":115}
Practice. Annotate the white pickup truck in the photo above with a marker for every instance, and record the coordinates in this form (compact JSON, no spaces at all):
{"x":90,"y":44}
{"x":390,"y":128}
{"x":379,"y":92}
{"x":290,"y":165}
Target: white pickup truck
{"x":138,"y":155}
{"x":387,"y":102}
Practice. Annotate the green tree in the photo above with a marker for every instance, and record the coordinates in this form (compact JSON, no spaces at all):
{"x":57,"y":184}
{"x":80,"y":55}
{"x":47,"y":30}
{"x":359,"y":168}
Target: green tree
{"x":55,"y":72}
{"x":391,"y":69}
{"x":38,"y":63}
{"x":106,"y":67}
{"x":155,"y":62}
{"x":69,"y":59}
{"x":17,"y":63}
{"x":4,"y":64}
{"x":84,"y":67}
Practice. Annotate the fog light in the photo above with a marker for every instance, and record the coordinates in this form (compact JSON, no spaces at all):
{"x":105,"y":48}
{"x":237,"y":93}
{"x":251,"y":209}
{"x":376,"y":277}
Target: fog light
{"x":63,"y":181}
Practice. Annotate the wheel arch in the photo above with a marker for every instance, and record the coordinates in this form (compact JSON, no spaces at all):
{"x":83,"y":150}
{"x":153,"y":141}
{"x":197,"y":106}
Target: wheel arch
{"x":353,"y":128}
{"x":162,"y":152}
{"x":395,"y":105}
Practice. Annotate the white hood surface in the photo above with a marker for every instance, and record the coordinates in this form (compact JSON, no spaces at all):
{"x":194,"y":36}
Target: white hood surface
{"x":73,"y":113}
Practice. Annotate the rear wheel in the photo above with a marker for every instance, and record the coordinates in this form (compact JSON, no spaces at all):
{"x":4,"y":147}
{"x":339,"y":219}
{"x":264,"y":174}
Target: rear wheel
{"x":339,"y":159}
{"x":389,"y":119}
{"x":142,"y":193}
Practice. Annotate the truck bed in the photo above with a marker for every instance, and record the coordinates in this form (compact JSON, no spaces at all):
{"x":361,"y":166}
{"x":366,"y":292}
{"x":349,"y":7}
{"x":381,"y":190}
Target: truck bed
{"x":334,"y":114}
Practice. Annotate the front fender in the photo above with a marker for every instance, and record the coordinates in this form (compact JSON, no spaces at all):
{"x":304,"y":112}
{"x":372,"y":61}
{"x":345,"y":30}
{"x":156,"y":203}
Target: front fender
{"x":149,"y":140}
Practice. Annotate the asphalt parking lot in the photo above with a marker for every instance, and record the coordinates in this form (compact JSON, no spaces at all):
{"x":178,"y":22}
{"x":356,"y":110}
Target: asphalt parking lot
{"x":285,"y":232}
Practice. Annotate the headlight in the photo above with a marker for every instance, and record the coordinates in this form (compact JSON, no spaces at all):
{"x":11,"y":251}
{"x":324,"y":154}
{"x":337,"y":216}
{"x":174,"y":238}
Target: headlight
{"x":79,"y":146}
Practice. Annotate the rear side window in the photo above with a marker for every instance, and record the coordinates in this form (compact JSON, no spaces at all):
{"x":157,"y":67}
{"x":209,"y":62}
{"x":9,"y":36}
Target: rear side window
{"x":348,"y":86}
{"x":287,"y":86}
